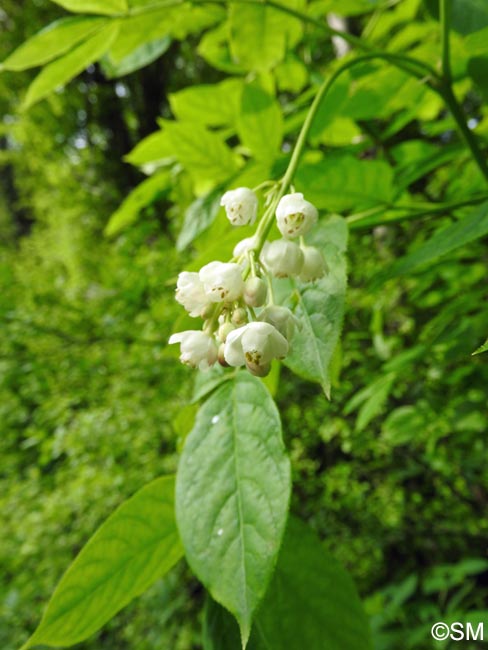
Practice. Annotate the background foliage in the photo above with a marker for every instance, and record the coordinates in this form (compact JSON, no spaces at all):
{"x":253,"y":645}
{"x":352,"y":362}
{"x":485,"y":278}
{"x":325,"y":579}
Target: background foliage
{"x":102,"y":180}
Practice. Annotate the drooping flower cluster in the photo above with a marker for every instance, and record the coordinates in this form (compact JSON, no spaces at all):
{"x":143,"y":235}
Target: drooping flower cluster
{"x":242,"y":325}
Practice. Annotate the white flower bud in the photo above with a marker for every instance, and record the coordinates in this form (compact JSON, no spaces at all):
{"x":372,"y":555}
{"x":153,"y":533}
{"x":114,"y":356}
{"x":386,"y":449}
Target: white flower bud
{"x":314,"y":266}
{"x":224,"y":330}
{"x":256,"y":344}
{"x":295,"y":216}
{"x":191,"y":294}
{"x":239,"y":316}
{"x":282,"y":258}
{"x":198,"y":350}
{"x":244,"y":245}
{"x":241,"y":206}
{"x":281,"y":318}
{"x":222,"y":281}
{"x":255,"y":292}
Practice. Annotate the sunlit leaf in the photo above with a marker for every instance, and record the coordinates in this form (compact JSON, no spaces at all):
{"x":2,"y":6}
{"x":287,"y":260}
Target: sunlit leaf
{"x":53,"y":41}
{"x":59,"y":72}
{"x":144,"y":194}
{"x":132,"y":549}
{"x":105,"y":7}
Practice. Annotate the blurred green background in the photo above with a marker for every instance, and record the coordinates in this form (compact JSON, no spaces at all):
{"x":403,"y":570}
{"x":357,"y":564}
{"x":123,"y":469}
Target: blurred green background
{"x":391,"y":473}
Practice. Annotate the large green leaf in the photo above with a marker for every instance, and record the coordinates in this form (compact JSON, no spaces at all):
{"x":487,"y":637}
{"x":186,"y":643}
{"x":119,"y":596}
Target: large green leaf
{"x":259,"y":35}
{"x":158,"y":22}
{"x":105,"y":7}
{"x":202,"y":153}
{"x":139,"y":58}
{"x":56,"y":39}
{"x":320,"y":308}
{"x":210,"y":104}
{"x":144,"y":194}
{"x":155,"y":149}
{"x":341,"y":182}
{"x":467,"y":16}
{"x":260,"y":123}
{"x":311,"y":604}
{"x":132,"y":549}
{"x":232,"y":492}
{"x":444,"y":241}
{"x":68,"y":66}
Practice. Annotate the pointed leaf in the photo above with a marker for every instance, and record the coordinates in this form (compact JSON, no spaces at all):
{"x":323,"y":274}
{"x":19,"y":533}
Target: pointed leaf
{"x":64,"y":69}
{"x":145,"y":193}
{"x":51,"y":42}
{"x":132,"y":549}
{"x":311,"y":603}
{"x":320,"y":308}
{"x":232,"y":493}
{"x":105,"y":7}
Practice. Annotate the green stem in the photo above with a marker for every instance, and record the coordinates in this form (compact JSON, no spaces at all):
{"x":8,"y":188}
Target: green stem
{"x":360,"y":221}
{"x":267,"y":220}
{"x":445,"y":20}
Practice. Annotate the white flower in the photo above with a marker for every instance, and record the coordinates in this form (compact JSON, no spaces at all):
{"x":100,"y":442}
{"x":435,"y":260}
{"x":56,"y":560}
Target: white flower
{"x":241,"y":206}
{"x":244,"y":245}
{"x":281,"y":318}
{"x":191,"y":294}
{"x":295,"y":215}
{"x":282,"y":258}
{"x":255,"y":345}
{"x":198,"y":350}
{"x":222,"y":281}
{"x":314,"y":266}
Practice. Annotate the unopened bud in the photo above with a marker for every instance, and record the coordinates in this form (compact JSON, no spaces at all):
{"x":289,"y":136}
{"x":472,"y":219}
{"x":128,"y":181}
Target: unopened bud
{"x":314,"y":266}
{"x":224,"y":330}
{"x":239,"y":316}
{"x":255,"y":292}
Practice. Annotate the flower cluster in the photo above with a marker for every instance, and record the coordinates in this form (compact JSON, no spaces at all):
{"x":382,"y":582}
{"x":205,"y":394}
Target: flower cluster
{"x":242,"y":325}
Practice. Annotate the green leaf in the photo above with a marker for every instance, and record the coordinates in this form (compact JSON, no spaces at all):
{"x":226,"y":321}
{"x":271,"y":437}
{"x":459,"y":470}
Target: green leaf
{"x":105,"y":7}
{"x":311,"y":604}
{"x":144,"y":194}
{"x":260,"y":123}
{"x":176,"y":22}
{"x":198,"y":217}
{"x":320,"y":308}
{"x":232,"y":492}
{"x":56,"y":39}
{"x":155,"y":149}
{"x":209,"y":104}
{"x":64,"y":69}
{"x":444,"y":241}
{"x":372,"y":399}
{"x":133,"y":548}
{"x":259,"y":34}
{"x":482,"y":348}
{"x":202,"y":153}
{"x":341,"y":182}
{"x":139,"y":58}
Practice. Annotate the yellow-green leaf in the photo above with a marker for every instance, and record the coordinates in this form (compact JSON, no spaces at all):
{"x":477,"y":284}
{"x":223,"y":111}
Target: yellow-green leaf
{"x":64,"y":69}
